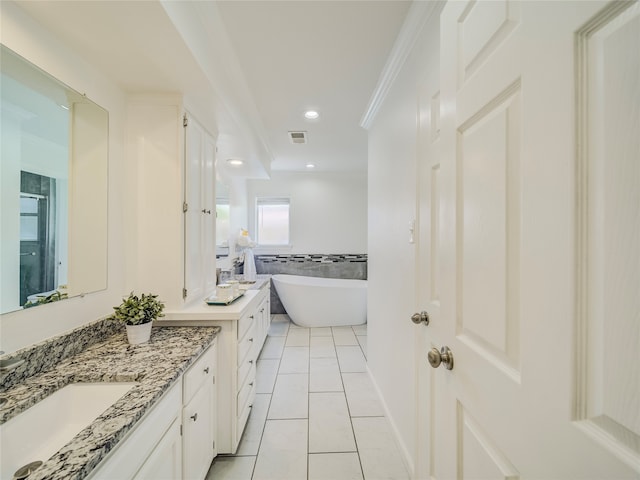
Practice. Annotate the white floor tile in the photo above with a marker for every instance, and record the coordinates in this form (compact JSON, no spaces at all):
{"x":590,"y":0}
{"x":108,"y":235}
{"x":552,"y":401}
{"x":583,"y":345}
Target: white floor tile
{"x":295,"y":360}
{"x":255,"y":425}
{"x":321,"y":332}
{"x":278,"y":328}
{"x":378,"y":451}
{"x":361,"y":395}
{"x":324,"y":375}
{"x":266,"y":372}
{"x":280,"y":317}
{"x":231,"y":468}
{"x":344,"y":336}
{"x":360,"y":329}
{"x":283,"y":453}
{"x":351,"y":358}
{"x":322,"y":347}
{"x":362,"y":340}
{"x":298,"y":337}
{"x":329,"y":424}
{"x":334,"y":466}
{"x":290,"y":397}
{"x":273,"y":347}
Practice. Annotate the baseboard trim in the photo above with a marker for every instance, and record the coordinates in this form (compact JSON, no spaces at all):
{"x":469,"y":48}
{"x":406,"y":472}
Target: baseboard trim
{"x":404,"y":451}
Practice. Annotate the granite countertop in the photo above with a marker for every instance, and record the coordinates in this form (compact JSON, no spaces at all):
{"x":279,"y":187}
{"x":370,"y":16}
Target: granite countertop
{"x":155,"y":366}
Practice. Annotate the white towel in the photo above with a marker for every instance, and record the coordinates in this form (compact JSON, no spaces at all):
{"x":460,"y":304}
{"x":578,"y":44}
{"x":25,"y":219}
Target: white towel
{"x":249,"y":266}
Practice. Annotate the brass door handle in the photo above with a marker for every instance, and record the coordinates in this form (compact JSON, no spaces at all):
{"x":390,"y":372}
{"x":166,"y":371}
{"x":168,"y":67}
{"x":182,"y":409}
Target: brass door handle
{"x":422,"y":317}
{"x":444,"y":357}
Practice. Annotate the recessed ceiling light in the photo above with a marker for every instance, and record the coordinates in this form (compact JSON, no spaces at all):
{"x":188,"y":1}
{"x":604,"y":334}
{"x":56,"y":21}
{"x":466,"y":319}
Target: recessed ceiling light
{"x":236,"y":162}
{"x":311,"y":114}
{"x":310,"y":165}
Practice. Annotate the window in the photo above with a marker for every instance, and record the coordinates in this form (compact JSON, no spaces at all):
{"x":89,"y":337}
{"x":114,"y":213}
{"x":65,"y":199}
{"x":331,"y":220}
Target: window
{"x":222,"y":221}
{"x":272,"y":219}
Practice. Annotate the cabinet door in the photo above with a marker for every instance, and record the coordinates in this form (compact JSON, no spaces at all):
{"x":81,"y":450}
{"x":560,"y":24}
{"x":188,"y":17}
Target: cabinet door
{"x":199,"y":195}
{"x":197,"y":437}
{"x":193,"y":269}
{"x":209,"y":217}
{"x":165,"y":462}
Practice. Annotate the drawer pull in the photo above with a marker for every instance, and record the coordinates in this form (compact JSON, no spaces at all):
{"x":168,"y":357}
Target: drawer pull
{"x":206,"y":370}
{"x":194,"y":416}
{"x":251,"y":384}
{"x":251,"y":316}
{"x":251,"y":339}
{"x":250,"y":361}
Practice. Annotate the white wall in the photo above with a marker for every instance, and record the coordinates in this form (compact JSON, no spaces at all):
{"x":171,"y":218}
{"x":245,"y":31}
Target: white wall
{"x":27,"y":38}
{"x":328,"y":211}
{"x":392,"y":259}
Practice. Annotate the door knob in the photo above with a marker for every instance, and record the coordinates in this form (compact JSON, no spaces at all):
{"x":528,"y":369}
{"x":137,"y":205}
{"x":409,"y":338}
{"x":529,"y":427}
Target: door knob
{"x":444,"y":356}
{"x":422,"y":317}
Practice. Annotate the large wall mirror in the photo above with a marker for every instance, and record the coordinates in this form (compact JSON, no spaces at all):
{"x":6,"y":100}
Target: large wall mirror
{"x":53,"y":186}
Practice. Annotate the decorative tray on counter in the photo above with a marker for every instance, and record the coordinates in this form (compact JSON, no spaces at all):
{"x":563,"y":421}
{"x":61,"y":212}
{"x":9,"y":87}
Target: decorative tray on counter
{"x":213,"y":300}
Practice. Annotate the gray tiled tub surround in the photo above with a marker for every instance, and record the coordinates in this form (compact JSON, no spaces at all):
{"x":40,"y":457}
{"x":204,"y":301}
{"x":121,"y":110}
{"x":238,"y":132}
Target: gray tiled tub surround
{"x":347,"y":266}
{"x":155,"y":365}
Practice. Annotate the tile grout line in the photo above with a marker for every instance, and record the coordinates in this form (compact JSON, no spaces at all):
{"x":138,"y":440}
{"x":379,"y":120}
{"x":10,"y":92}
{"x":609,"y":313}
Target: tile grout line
{"x":264,"y":425}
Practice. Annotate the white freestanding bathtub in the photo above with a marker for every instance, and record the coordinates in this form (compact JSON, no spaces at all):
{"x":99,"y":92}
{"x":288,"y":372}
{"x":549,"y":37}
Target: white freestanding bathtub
{"x":322,"y":302}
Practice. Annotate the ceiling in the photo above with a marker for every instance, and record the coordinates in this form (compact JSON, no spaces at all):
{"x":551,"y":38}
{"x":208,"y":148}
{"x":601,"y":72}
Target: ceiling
{"x":320,"y":55}
{"x":267,"y":61}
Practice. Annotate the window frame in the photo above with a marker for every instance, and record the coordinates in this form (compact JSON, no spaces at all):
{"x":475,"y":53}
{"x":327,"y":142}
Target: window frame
{"x":272,"y":200}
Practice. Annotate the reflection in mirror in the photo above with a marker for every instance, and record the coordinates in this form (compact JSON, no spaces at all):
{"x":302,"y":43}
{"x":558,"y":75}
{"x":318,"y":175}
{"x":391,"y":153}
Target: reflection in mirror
{"x":223,"y":225}
{"x":53,"y":185}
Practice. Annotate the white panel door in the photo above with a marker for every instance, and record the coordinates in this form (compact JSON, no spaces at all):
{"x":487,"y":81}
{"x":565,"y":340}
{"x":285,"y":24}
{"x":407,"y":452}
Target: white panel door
{"x":538,"y":247}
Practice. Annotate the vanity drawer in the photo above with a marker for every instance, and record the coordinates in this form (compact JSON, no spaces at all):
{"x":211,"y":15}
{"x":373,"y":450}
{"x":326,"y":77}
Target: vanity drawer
{"x":245,"y":322}
{"x":248,"y":365}
{"x":198,"y":373}
{"x":244,"y":392}
{"x":245,"y":345}
{"x":242,"y":420}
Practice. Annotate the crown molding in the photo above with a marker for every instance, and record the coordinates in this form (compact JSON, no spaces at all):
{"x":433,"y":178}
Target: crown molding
{"x":417,"y":16}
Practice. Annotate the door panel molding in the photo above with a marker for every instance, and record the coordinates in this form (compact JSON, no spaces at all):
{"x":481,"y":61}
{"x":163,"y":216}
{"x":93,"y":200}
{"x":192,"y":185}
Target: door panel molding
{"x":607,"y":235}
{"x":482,"y":458}
{"x":482,"y":27}
{"x":488,"y":225}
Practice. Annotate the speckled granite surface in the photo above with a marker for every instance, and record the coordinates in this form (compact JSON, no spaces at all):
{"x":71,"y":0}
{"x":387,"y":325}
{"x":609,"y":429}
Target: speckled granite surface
{"x":155,"y":366}
{"x":45,"y":355}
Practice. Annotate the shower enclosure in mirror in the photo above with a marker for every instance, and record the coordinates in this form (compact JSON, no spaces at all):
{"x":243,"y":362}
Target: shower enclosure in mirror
{"x":53,"y":186}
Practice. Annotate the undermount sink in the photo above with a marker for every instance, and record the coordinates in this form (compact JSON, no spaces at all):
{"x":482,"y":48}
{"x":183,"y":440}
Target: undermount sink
{"x":39,"y":432}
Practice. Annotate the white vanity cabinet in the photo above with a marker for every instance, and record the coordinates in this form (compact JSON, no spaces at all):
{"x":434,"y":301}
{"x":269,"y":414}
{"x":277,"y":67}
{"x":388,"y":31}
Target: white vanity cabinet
{"x":153,"y":449}
{"x":244,"y":326}
{"x":176,"y":438}
{"x":199,"y":417}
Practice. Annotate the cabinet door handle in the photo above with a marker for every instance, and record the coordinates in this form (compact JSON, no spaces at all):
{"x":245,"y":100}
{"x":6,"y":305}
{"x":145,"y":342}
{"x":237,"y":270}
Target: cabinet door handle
{"x":206,"y":370}
{"x":251,"y":384}
{"x":251,"y":339}
{"x":194,"y":416}
{"x":250,"y":361}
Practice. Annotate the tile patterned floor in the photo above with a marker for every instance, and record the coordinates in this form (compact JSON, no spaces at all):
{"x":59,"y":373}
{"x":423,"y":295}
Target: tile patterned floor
{"x":316,"y":415}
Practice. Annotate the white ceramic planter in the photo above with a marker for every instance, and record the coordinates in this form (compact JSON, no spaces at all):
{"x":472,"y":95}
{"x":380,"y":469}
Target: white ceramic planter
{"x":139,"y":333}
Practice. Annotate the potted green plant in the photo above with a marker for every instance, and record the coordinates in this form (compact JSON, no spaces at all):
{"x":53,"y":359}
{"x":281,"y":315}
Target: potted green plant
{"x":138,"y":314}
